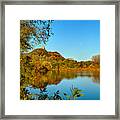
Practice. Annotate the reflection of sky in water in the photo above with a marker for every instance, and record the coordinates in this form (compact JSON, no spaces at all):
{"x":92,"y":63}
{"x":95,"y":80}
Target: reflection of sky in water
{"x":91,"y":90}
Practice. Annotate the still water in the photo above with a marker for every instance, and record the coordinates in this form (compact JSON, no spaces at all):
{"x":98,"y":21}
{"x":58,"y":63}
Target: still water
{"x":87,"y":82}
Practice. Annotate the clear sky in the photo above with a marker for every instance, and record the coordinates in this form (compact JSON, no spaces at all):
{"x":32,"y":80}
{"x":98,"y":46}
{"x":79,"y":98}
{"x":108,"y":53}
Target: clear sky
{"x":77,"y":39}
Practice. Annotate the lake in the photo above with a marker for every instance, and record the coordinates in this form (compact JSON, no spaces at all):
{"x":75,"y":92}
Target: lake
{"x":63,"y":85}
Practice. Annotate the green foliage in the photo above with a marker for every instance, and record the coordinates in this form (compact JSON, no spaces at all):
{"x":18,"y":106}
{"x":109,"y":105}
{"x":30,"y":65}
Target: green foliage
{"x":43,"y":95}
{"x":33,"y":33}
{"x":75,"y":93}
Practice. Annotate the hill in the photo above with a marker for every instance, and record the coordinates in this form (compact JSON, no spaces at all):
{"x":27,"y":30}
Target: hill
{"x":43,"y":61}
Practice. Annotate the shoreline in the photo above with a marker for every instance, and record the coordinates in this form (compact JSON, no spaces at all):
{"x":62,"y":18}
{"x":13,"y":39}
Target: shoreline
{"x":97,"y":70}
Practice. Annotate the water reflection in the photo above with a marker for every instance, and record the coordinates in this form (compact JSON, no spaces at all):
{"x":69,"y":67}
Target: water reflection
{"x":60,"y":81}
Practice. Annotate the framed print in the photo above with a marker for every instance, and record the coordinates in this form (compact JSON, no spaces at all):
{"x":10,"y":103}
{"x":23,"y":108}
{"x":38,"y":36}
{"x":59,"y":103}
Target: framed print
{"x":60,"y":59}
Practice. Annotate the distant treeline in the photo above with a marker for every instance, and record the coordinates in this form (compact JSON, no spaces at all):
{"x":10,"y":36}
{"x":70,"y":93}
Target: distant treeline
{"x":40,"y":60}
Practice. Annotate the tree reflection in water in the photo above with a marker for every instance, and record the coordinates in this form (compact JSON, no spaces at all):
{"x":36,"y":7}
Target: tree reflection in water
{"x":41,"y":81}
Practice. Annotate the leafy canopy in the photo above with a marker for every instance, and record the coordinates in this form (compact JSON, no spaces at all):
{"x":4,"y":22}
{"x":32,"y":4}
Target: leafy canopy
{"x":33,"y":33}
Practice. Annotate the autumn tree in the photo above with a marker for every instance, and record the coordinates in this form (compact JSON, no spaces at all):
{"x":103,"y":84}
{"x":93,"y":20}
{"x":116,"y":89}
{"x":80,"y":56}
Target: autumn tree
{"x":96,"y":59}
{"x":34,"y":33}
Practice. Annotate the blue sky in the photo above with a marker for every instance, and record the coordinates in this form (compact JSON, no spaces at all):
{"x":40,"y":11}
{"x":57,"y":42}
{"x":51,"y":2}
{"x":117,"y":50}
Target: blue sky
{"x":77,"y":39}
